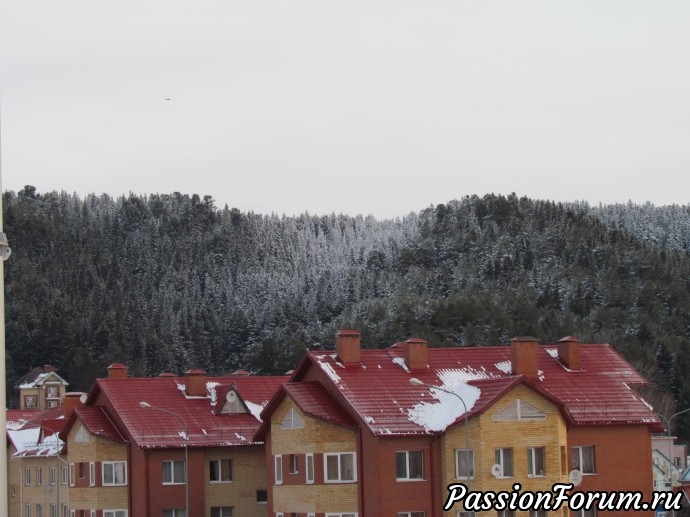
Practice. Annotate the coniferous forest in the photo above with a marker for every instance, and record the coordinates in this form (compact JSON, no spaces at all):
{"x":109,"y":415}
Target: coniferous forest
{"x":166,"y":282}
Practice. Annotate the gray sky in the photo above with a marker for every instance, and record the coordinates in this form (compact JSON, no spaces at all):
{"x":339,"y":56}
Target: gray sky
{"x":373,"y":107}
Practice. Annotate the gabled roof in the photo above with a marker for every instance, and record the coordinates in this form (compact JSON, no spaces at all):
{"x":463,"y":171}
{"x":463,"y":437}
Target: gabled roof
{"x":312,"y":399}
{"x":154,"y":428}
{"x":379,"y":389}
{"x":97,"y":422}
{"x":37,"y":377}
{"x":35,"y":432}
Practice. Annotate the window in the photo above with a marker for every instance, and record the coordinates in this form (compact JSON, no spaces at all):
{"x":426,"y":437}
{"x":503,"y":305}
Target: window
{"x":586,"y":513}
{"x":39,"y":476}
{"x":292,"y":420}
{"x":341,"y":515}
{"x":409,"y":465}
{"x":310,"y":468}
{"x":27,"y":511}
{"x":261,"y":496}
{"x":340,"y":467}
{"x":52,"y":474}
{"x":114,"y":513}
{"x":464,"y":514}
{"x":52,"y":392}
{"x":220,"y":471}
{"x":173,"y":474}
{"x":27,"y":477}
{"x":30,"y":402}
{"x":518,"y":410}
{"x":53,"y":510}
{"x":53,"y":403}
{"x":538,"y":513}
{"x":464,"y":463}
{"x":13,"y":491}
{"x":64,"y":476}
{"x":114,"y":473}
{"x":504,"y":458}
{"x":82,"y":471}
{"x":583,"y":459}
{"x":71,"y":474}
{"x":221,"y":511}
{"x":82,"y":435}
{"x":506,"y":513}
{"x":279,"y":469}
{"x":178,"y":512}
{"x":410,"y":514}
{"x":536,"y":461}
{"x":294,"y":464}
{"x":92,"y":474}
{"x":39,"y":510}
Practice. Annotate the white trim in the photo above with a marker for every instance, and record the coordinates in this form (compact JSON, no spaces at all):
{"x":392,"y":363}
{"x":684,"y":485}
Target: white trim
{"x":339,"y":455}
{"x":278,"y":469}
{"x":113,"y":463}
{"x":309,"y":466}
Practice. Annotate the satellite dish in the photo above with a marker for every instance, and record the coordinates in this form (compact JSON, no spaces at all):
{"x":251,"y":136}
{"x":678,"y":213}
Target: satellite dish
{"x":83,"y":398}
{"x":47,"y":489}
{"x":231,"y":396}
{"x":496,"y":470}
{"x":575,"y":477}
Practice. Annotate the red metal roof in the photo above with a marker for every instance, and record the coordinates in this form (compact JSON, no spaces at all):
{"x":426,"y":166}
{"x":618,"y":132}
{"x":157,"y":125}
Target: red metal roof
{"x":153,"y":428}
{"x":380,"y":392}
{"x":98,"y":423}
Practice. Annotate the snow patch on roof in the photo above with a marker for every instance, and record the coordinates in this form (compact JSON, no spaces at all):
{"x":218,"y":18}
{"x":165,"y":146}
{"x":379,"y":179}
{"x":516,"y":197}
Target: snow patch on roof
{"x":255,"y":409}
{"x":240,"y":437}
{"x":437,"y":416}
{"x":553,"y":352}
{"x":505,"y":366}
{"x":541,"y":376}
{"x":401,"y":362}
{"x":335,"y":360}
{"x":328,"y":370}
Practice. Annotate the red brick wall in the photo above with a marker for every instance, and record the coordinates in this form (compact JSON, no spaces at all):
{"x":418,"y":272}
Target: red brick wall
{"x":623,"y":456}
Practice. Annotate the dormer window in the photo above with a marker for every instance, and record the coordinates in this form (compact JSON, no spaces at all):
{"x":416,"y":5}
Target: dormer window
{"x":292,"y":420}
{"x":82,"y":435}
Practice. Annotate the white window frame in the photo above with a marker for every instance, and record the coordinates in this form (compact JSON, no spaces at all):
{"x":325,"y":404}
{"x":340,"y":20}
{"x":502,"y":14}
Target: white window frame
{"x":172,"y":473}
{"x":219,"y":462}
{"x":112,"y":465}
{"x":221,"y":508}
{"x":92,"y":474}
{"x":407,"y":476}
{"x":113,"y":513}
{"x":339,"y":455}
{"x":500,"y":456}
{"x":470,"y":454}
{"x":27,"y":476}
{"x":64,"y":473}
{"x":265,"y":501}
{"x":53,"y":511}
{"x":39,"y":476}
{"x":278,"y":469}
{"x":52,"y":475}
{"x":532,"y":462}
{"x":292,"y":420}
{"x":579,"y":449}
{"x":342,"y":514}
{"x":27,"y":510}
{"x":71,"y":474}
{"x":309,"y":468}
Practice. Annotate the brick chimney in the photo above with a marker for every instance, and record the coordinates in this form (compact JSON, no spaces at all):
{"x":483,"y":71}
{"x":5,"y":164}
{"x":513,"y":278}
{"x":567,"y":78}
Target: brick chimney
{"x":524,"y":352}
{"x":416,"y":354}
{"x":569,"y":352}
{"x":348,"y":347}
{"x":72,"y":400}
{"x":195,"y":382}
{"x":117,"y":371}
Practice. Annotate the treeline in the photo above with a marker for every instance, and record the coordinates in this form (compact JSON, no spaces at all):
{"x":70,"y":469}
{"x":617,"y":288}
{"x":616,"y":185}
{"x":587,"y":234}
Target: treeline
{"x":169,"y":282}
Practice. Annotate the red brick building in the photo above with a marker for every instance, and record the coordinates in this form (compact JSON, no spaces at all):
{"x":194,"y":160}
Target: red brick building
{"x":350,"y":436}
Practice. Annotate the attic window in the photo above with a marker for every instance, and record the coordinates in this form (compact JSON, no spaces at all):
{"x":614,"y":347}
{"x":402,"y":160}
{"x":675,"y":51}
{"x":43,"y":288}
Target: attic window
{"x":519,"y":410}
{"x":232,"y":404}
{"x":81,"y":436}
{"x":292,"y":420}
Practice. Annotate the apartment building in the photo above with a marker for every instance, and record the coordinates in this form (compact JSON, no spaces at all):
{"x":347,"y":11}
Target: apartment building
{"x":384,"y":431}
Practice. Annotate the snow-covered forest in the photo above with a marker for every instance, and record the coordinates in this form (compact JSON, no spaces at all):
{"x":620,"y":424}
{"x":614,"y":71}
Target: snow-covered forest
{"x":168,"y":282}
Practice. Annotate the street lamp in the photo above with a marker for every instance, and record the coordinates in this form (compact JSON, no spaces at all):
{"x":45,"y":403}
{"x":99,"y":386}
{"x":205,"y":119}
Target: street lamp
{"x":416,"y":382}
{"x":57,"y":447}
{"x":146,"y":405}
{"x":670,"y":444}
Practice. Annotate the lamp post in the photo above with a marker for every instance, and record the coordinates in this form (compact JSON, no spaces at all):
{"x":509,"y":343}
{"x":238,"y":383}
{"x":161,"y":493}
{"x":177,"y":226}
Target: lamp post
{"x":57,"y":447}
{"x":670,"y":445}
{"x":146,"y":405}
{"x":416,"y":382}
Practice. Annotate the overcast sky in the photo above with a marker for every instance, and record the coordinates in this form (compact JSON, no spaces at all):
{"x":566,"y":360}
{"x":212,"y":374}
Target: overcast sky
{"x":372,"y":107}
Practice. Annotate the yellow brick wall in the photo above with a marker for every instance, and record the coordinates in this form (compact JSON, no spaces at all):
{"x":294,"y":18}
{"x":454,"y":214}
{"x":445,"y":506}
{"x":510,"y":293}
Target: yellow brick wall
{"x":248,"y":476}
{"x":317,"y":436}
{"x":486,"y":435}
{"x":34,"y":493}
{"x":96,"y":450}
